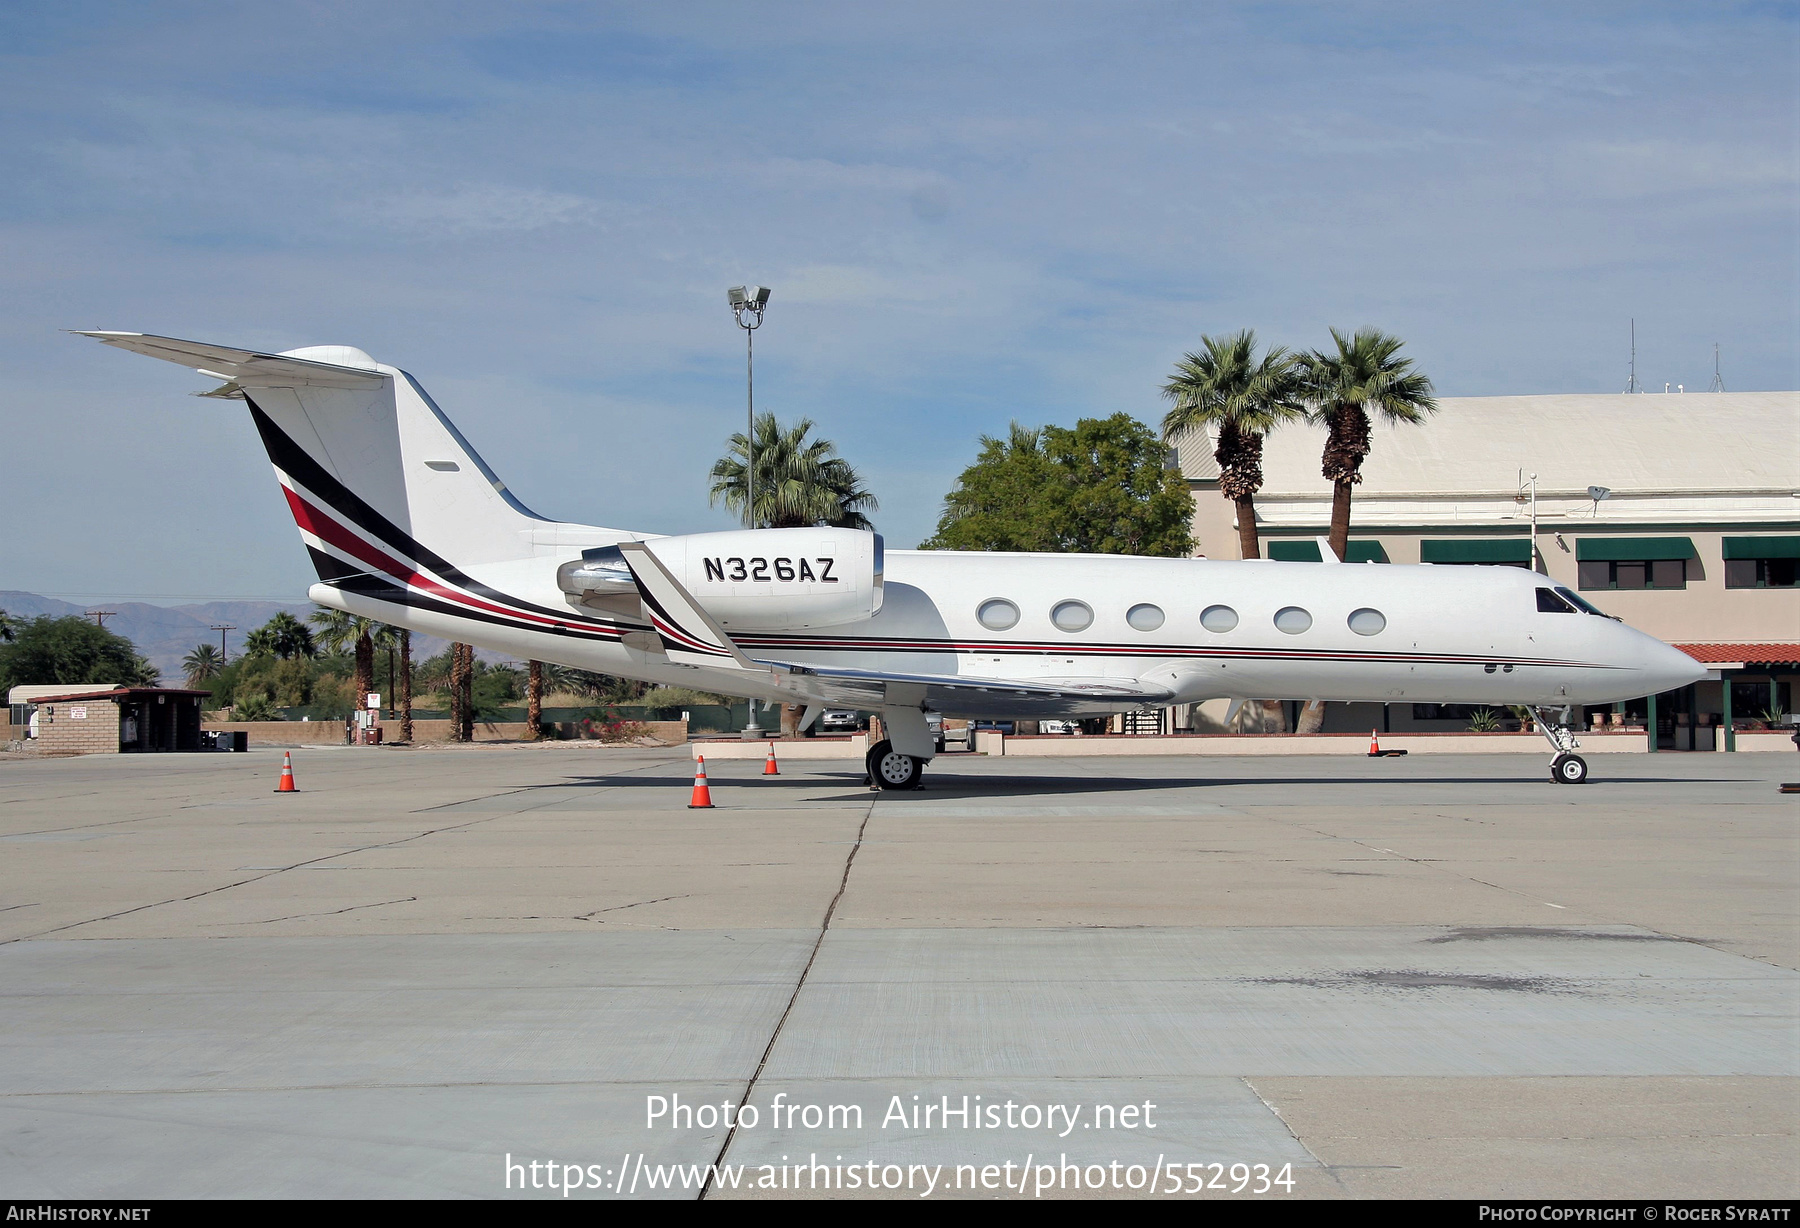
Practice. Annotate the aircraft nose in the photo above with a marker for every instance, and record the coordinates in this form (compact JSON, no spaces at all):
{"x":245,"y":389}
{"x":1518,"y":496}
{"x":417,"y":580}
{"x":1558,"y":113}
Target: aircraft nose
{"x":1667,"y":668}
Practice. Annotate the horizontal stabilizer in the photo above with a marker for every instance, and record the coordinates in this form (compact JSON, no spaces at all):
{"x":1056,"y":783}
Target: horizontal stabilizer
{"x":246,"y":368}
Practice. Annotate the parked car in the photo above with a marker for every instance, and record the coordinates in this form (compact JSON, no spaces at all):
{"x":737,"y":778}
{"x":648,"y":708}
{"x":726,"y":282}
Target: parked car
{"x":1005,"y":727}
{"x":936,"y":721}
{"x":840,"y":720}
{"x":1057,"y":726}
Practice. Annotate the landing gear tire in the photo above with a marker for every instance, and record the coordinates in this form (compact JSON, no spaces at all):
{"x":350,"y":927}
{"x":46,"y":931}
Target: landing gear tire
{"x":889,"y":769}
{"x":1569,"y":770}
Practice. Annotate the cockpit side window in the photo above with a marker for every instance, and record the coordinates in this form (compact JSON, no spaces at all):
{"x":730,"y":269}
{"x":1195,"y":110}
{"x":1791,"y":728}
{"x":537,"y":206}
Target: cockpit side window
{"x":1578,"y":603}
{"x":1550,"y":603}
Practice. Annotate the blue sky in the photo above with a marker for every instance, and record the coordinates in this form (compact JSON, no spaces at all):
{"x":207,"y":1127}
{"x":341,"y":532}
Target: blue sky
{"x":969,"y":213}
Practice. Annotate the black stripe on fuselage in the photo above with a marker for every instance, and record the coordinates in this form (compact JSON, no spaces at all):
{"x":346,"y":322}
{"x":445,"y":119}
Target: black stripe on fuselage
{"x":384,"y":590}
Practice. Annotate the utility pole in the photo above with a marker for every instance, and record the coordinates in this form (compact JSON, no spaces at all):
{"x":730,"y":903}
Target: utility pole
{"x":222,"y":628}
{"x":100,"y":616}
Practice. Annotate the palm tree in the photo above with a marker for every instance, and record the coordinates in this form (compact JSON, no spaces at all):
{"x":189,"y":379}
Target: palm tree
{"x":10,"y":626}
{"x":282,"y":636}
{"x":201,"y":664}
{"x":1365,"y":375}
{"x":799,"y":482}
{"x":406,"y":683}
{"x":1225,"y":386}
{"x":534,"y":702}
{"x":462,"y":682}
{"x":339,"y":630}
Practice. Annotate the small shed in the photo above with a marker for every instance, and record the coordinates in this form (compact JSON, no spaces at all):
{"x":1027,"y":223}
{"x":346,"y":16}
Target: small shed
{"x":124,"y":719}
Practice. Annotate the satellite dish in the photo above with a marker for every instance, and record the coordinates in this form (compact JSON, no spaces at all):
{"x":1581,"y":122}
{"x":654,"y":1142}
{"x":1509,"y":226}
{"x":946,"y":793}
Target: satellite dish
{"x":1597,"y":493}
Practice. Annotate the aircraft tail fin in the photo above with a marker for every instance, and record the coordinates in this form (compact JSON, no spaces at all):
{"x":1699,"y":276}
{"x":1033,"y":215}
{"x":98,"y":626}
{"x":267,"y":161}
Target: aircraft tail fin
{"x":376,"y":476}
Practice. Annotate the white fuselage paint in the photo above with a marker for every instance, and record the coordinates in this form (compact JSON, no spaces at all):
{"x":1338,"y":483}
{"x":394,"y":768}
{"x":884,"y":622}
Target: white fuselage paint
{"x":1452,"y":634}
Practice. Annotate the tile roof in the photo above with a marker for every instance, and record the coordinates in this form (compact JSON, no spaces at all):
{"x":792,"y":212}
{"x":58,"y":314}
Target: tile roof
{"x":1708,"y":654}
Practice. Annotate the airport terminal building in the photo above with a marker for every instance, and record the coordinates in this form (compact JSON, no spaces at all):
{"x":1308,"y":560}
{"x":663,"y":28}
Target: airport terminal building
{"x":1694,"y":535}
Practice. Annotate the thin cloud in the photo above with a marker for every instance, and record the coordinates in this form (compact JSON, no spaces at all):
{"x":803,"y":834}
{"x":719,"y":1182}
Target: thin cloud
{"x":480,"y":210}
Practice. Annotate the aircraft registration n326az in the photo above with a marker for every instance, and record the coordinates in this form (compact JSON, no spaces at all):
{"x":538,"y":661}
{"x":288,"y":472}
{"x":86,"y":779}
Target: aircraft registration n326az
{"x":407,"y":525}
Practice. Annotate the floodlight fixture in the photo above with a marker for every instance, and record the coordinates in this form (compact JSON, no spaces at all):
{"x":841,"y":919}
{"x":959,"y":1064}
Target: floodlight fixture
{"x":1599,"y":493}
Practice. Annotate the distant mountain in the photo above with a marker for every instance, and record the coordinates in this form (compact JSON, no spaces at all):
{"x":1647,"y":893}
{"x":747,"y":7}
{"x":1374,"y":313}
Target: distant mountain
{"x":166,"y":634}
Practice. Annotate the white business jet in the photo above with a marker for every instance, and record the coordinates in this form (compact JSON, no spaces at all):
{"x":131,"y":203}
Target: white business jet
{"x":407,"y":525}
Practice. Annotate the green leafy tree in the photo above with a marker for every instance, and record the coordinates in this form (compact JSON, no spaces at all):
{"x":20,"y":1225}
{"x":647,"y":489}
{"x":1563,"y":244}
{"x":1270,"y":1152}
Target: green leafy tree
{"x":1364,"y":376}
{"x":799,"y":482}
{"x":1225,"y":386}
{"x":201,"y":665}
{"x":9,"y":626}
{"x":1099,"y":488}
{"x":50,"y":650}
{"x":282,"y":636}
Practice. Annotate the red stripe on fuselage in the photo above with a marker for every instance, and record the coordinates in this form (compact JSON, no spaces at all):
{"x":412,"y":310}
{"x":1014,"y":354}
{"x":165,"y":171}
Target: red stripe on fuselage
{"x":323,"y":527}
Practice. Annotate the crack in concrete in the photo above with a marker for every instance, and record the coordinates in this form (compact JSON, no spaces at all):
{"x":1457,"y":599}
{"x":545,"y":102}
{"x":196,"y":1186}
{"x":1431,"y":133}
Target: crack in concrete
{"x":300,"y":916}
{"x":762,"y":1062}
{"x":313,"y":861}
{"x":589,"y":916}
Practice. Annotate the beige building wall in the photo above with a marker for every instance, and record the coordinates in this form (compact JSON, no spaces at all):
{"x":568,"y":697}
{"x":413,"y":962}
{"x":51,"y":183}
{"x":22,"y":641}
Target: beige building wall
{"x":1701,"y":466}
{"x":78,"y":727}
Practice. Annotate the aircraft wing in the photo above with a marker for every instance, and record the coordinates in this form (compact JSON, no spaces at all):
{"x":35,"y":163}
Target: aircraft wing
{"x":960,"y":695}
{"x":691,"y":636}
{"x":246,"y":368}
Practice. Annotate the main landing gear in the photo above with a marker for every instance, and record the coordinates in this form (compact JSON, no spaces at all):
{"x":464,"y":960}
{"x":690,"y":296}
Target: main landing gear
{"x":889,"y":769}
{"x":1568,"y":768}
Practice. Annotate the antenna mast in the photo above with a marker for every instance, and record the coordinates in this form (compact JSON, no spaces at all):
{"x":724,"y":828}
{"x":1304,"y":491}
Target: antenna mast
{"x":1631,"y":385}
{"x":1718,"y":384}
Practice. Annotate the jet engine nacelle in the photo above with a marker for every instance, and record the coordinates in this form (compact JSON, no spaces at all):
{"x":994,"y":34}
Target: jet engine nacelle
{"x":751,"y":579}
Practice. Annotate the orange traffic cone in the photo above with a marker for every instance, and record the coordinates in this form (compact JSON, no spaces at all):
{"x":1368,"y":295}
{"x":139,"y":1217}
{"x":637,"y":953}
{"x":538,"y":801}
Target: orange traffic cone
{"x":287,"y":774}
{"x":1374,"y":745}
{"x":769,"y":768}
{"x":702,"y":799}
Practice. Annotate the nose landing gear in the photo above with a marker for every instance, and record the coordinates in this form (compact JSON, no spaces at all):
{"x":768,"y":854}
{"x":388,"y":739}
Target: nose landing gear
{"x":1568,"y":768}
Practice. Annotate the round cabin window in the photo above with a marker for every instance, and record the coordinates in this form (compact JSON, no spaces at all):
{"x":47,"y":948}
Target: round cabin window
{"x":1368,"y":622}
{"x":1293,"y":620}
{"x":1144,"y":617}
{"x":998,"y":614}
{"x":1072,"y":616}
{"x":1220,"y":618}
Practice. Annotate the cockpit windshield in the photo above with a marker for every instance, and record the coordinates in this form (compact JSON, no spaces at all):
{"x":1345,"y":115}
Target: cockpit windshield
{"x":1579,"y":604}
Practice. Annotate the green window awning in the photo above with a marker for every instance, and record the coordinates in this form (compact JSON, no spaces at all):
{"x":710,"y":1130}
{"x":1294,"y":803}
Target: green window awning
{"x":1476,"y":550}
{"x":1762,"y":547}
{"x":1633,"y":549}
{"x":1308,"y":552}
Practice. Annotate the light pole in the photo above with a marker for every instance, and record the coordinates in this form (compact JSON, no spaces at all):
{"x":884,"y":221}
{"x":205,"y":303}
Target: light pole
{"x":747,"y":304}
{"x":1532,"y":482}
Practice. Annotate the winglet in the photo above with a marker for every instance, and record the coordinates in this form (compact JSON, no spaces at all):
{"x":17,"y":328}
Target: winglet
{"x":688,"y":633}
{"x":1326,"y":553}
